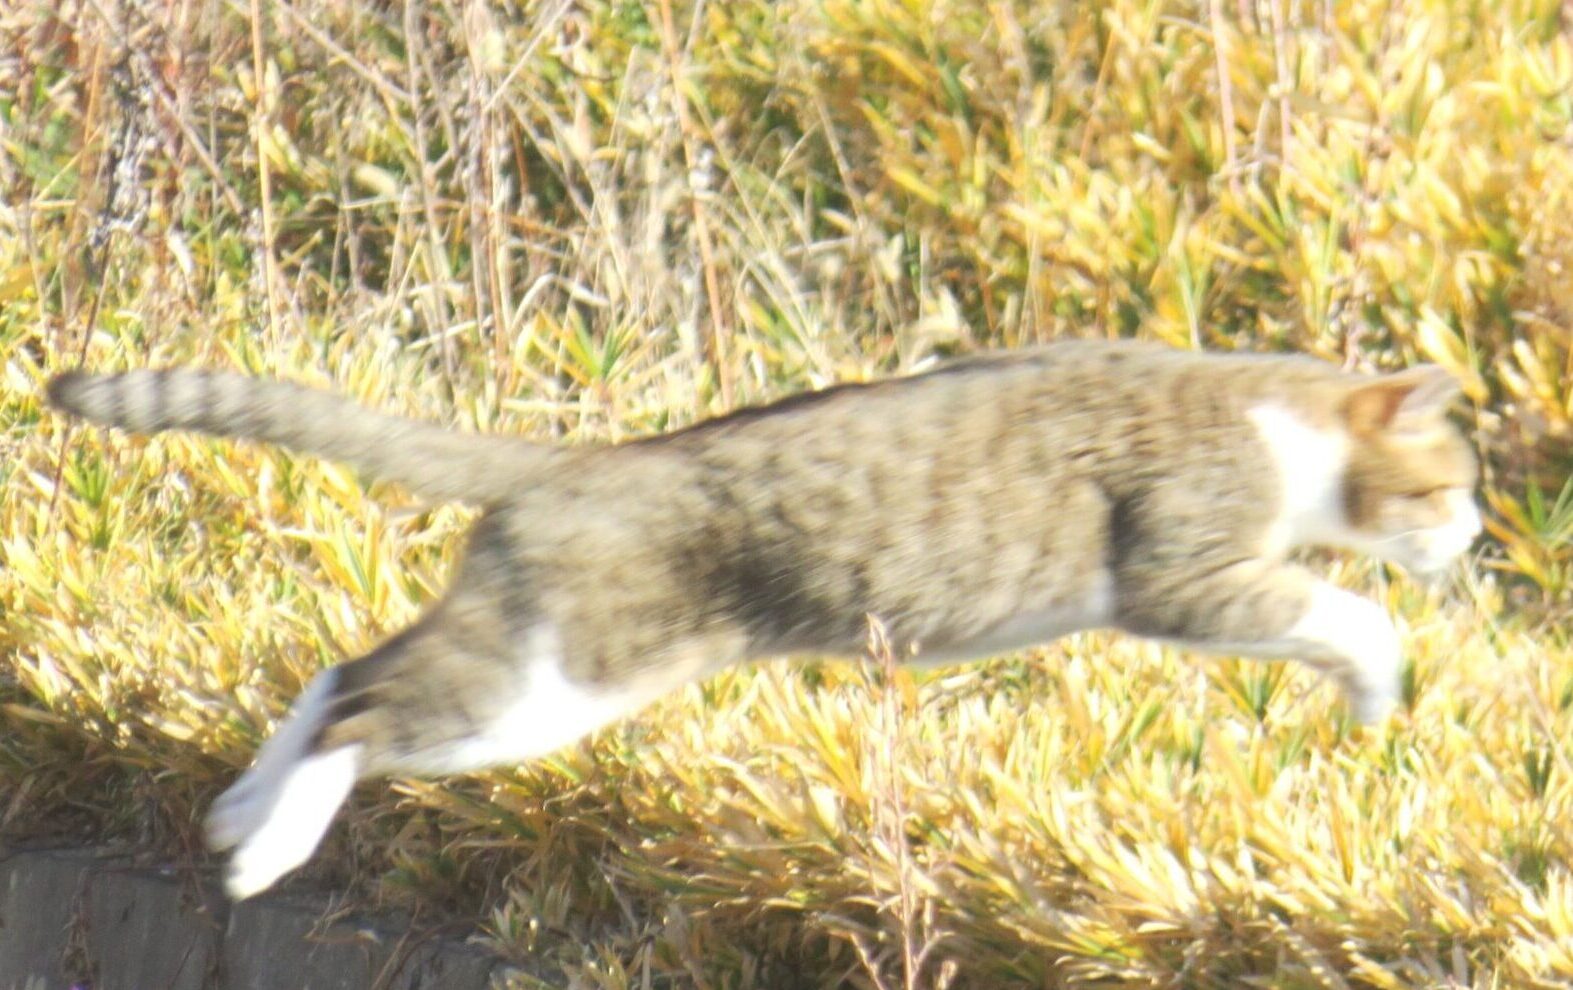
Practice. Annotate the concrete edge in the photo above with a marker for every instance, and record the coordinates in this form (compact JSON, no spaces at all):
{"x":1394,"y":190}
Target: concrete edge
{"x":74,"y":917}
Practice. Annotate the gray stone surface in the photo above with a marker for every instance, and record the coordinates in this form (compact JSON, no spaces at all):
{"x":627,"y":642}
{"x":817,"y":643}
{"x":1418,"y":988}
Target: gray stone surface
{"x":40,"y":895}
{"x":147,"y":929}
{"x":345,"y":955}
{"x":86,"y":918}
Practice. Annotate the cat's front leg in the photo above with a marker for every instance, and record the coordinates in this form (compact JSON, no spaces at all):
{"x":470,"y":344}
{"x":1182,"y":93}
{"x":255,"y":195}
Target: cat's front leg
{"x":1267,"y":611}
{"x":1353,"y":639}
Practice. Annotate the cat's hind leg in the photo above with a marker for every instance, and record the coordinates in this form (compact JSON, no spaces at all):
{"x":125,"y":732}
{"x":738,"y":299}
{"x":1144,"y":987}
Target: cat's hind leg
{"x":362,"y":717}
{"x":276,"y":814}
{"x":461,"y":690}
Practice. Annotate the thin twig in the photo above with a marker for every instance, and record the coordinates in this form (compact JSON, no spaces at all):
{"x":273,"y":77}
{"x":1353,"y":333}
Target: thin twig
{"x":96,"y":267}
{"x":435,"y":253}
{"x":1374,"y":154}
{"x":391,"y":92}
{"x":97,"y":262}
{"x":716,"y":339}
{"x":1284,"y":84}
{"x":260,"y":122}
{"x":1105,"y":66}
{"x":1225,"y":88}
{"x":914,"y":916}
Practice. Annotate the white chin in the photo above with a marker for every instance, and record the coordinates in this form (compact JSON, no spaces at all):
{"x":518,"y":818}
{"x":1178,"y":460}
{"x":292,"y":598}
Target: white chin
{"x":1428,"y":566}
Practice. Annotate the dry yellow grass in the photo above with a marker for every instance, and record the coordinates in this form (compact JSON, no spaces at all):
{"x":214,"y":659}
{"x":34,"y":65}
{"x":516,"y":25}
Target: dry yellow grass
{"x":508,"y":216}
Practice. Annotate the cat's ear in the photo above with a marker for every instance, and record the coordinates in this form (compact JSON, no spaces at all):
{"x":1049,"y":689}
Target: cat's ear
{"x":1415,"y":399}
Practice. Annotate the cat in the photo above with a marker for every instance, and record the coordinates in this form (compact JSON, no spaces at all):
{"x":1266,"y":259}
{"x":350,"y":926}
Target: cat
{"x":995,"y":503}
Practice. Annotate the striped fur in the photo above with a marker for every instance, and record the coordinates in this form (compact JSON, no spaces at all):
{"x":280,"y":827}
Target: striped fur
{"x":981,"y":508}
{"x":436,"y":463}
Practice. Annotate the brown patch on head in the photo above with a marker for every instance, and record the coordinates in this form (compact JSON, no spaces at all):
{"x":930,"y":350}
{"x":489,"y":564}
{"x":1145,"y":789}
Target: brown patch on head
{"x":1405,"y":457}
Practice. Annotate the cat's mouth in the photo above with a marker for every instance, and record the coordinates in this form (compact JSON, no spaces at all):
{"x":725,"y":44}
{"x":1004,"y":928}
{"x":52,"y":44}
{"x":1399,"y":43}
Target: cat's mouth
{"x":1428,"y":553}
{"x":1429,"y":568}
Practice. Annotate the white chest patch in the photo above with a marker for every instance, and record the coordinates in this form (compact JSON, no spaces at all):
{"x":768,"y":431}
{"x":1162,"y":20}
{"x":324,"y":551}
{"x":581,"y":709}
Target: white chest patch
{"x":1310,"y":464}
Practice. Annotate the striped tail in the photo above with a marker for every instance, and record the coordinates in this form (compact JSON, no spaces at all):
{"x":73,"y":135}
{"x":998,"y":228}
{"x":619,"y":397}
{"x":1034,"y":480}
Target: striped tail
{"x":434,"y":462}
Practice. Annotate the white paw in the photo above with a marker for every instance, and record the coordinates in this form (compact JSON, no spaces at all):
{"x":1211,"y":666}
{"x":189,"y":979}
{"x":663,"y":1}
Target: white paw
{"x":1354,"y":639}
{"x":277,"y":812}
{"x":1371,"y":706}
{"x":273,"y":840}
{"x":1377,"y":682}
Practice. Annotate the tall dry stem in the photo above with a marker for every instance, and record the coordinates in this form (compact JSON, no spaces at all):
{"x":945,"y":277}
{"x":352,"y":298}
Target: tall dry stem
{"x":912,"y":908}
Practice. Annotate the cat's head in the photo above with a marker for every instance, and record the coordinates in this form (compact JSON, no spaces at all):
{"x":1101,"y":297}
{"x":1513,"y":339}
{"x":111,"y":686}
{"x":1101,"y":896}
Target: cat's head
{"x":1408,"y":487}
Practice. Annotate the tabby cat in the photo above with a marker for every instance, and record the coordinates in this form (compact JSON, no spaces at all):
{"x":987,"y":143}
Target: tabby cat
{"x":993,"y":504}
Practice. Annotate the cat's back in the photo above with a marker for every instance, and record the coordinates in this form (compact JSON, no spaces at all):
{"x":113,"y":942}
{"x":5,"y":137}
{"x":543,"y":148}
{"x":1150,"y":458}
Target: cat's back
{"x":1061,"y":405}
